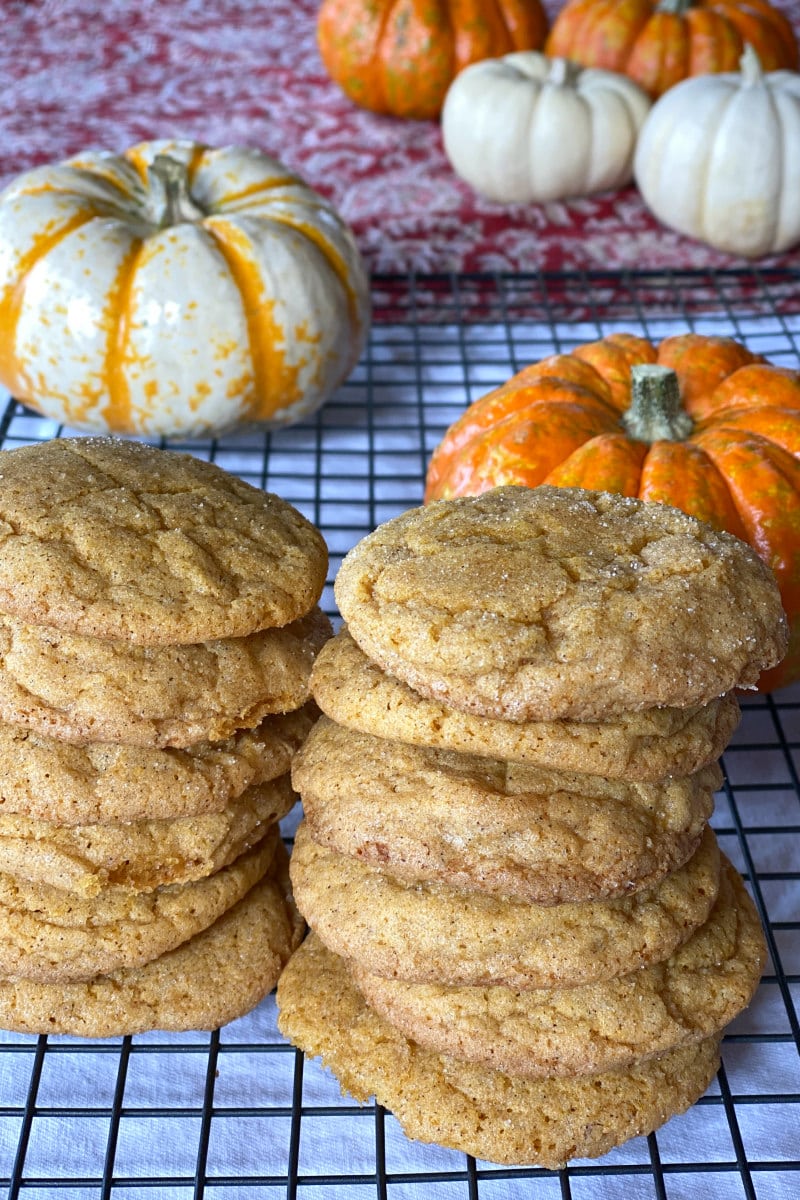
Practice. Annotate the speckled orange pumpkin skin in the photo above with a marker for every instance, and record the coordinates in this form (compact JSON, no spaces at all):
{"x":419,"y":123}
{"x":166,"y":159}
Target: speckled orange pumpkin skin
{"x":658,"y":45}
{"x":559,"y":422}
{"x":400,"y":56}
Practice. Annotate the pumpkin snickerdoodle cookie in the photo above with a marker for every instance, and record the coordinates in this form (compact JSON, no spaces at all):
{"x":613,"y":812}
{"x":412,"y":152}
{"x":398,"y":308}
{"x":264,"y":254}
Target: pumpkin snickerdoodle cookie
{"x":489,"y":825}
{"x":470,"y":1107}
{"x":432,"y":933}
{"x":118,"y":540}
{"x":81,"y":688}
{"x":158,"y":623}
{"x":603,"y":1026}
{"x":85,"y":783}
{"x":546,"y":603}
{"x":140,"y":856}
{"x":52,"y":936}
{"x":216,"y":976}
{"x":524,"y":941}
{"x":649,"y":744}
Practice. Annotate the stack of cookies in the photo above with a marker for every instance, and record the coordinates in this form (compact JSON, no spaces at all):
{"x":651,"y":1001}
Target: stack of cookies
{"x":158,"y":623}
{"x":525,"y":941}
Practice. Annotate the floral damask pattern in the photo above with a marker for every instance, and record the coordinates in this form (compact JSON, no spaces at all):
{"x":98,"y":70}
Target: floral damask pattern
{"x":80,"y":73}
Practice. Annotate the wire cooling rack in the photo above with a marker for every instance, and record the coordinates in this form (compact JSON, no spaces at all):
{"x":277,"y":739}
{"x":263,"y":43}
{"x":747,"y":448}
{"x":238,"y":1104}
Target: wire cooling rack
{"x":238,"y":1113}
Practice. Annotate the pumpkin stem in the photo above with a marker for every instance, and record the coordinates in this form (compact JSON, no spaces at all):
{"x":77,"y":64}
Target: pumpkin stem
{"x":674,"y":6}
{"x":656,"y":413}
{"x":169,"y":186}
{"x":750,"y":66}
{"x":563,"y":72}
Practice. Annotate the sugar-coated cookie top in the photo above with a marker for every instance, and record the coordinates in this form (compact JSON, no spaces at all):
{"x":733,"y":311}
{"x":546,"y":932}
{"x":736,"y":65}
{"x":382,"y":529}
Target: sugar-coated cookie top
{"x":536,"y":604}
{"x":118,"y":539}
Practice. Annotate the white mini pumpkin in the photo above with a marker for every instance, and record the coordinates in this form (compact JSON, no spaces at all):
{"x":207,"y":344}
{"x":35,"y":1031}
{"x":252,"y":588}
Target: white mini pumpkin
{"x":719,"y":159}
{"x":527,"y":129}
{"x":175,"y":289}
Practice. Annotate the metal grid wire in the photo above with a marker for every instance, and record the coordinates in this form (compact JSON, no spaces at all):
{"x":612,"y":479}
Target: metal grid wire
{"x":238,"y":1113}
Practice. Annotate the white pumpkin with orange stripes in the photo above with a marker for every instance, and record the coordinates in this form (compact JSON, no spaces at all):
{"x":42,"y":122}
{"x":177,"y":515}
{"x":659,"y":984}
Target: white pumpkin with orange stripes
{"x":174,"y":290}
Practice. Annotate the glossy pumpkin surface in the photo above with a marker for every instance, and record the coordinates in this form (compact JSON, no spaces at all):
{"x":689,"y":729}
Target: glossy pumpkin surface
{"x":175,"y":289}
{"x":400,"y":56}
{"x":729,"y":454}
{"x":660,"y":42}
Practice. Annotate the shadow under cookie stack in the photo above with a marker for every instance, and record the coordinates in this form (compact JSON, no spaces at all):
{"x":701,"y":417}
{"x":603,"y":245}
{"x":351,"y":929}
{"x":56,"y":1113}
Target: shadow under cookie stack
{"x":158,"y":623}
{"x":525,"y":941}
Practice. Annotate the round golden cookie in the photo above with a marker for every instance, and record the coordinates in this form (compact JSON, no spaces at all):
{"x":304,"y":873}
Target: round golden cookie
{"x":83,"y":689}
{"x":432,"y":933}
{"x":482,"y":1112}
{"x":652,"y":743}
{"x":605,"y":1026}
{"x":533,"y":604}
{"x":116,"y":539}
{"x":51,"y":936}
{"x":247,"y":947}
{"x":489,"y":825}
{"x":96,"y":783}
{"x":140,"y":856}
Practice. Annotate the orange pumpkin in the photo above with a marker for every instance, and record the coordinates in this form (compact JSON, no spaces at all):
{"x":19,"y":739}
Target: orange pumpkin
{"x":400,"y":56}
{"x":660,"y":42}
{"x":697,"y":422}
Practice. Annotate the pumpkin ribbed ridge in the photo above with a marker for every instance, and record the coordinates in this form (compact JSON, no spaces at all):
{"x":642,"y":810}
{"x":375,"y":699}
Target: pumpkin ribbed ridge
{"x":264,"y":336}
{"x":399,"y":57}
{"x":12,"y":372}
{"x":660,"y":42}
{"x":117,"y":411}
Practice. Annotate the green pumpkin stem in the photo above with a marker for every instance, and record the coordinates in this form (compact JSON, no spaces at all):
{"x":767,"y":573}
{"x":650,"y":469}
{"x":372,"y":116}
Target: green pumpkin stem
{"x":674,"y":6}
{"x":656,"y":412}
{"x":169,"y":185}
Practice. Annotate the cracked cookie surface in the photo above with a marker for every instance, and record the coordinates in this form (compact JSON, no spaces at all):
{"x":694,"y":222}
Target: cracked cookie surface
{"x":47,"y":779}
{"x":82,"y":689}
{"x":248,"y":946}
{"x":652,"y":743}
{"x":50,"y":935}
{"x":469,"y":1107}
{"x":117,"y":539}
{"x":140,"y":856}
{"x":544,"y":603}
{"x":602,"y":1026}
{"x":432,"y":933}
{"x":494,"y":826}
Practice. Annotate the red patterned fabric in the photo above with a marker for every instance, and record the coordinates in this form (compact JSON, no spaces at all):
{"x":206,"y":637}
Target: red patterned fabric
{"x":80,"y":74}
